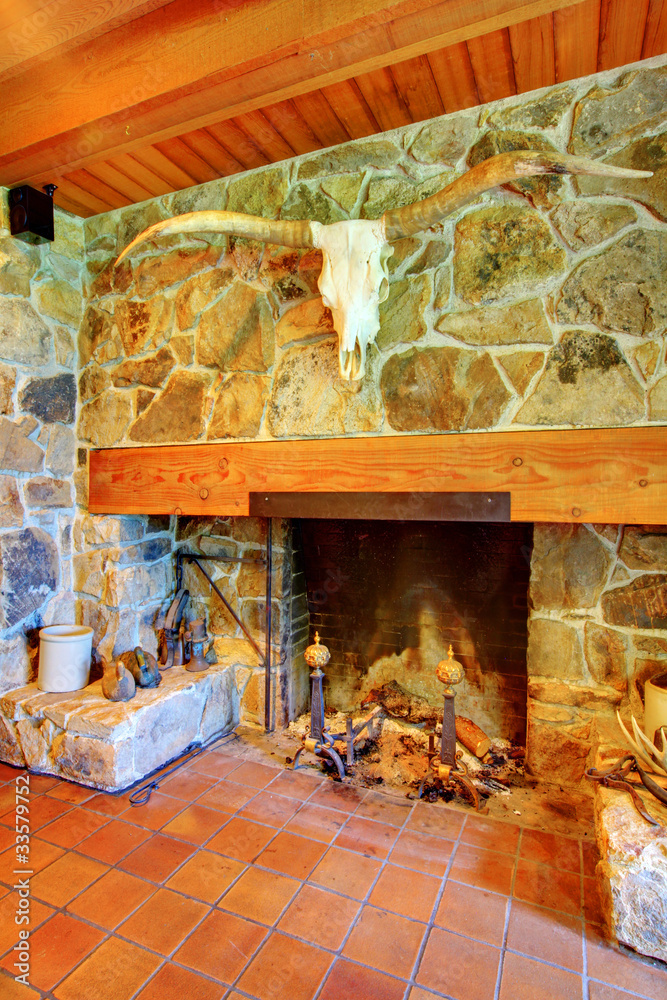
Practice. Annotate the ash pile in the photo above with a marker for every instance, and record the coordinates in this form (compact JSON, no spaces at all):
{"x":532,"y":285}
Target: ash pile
{"x":396,"y":753}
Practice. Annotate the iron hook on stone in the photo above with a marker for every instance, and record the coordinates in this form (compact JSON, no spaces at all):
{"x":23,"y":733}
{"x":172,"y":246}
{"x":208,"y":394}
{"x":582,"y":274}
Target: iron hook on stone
{"x":354,"y":279}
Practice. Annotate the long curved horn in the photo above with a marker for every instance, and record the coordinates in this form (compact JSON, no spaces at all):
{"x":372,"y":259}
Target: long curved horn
{"x":297,"y":233}
{"x":499,"y":169}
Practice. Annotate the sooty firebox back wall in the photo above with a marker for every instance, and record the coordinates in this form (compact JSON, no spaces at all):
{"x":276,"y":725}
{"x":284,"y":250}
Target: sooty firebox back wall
{"x":389,"y":596}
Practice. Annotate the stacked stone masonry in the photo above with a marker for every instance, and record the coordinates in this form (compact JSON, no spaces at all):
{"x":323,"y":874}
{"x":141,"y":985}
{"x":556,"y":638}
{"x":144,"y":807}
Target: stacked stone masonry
{"x":539,"y":305}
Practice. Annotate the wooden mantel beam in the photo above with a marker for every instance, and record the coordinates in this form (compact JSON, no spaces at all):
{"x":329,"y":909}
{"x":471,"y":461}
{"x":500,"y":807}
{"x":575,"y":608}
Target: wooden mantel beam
{"x":601,"y":475}
{"x":192,"y":63}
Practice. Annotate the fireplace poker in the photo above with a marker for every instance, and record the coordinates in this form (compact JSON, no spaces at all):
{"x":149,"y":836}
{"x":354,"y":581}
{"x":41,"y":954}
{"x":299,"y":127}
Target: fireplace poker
{"x":142,"y":794}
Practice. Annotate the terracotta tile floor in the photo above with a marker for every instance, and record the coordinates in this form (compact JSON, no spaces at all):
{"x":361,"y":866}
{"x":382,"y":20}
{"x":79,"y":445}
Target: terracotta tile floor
{"x":240,"y":881}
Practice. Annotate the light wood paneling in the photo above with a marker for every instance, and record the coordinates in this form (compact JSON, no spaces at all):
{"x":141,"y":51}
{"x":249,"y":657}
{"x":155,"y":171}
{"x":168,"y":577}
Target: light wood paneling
{"x":126,"y":185}
{"x":164,"y":167}
{"x":383,"y":99}
{"x":292,"y":126}
{"x":491,"y":58}
{"x":240,"y":143}
{"x":72,"y":198}
{"x":322,"y":119}
{"x":576,"y":32}
{"x":453,"y":74}
{"x":190,"y":162}
{"x":96,"y":189}
{"x":131,"y":166}
{"x":533,"y":53}
{"x":607,"y":476}
{"x":183,"y":67}
{"x":157,"y":96}
{"x":350,"y":107}
{"x":655,"y":32}
{"x":417,"y":88}
{"x":271,"y":143}
{"x":205,"y":145}
{"x":621,"y":32}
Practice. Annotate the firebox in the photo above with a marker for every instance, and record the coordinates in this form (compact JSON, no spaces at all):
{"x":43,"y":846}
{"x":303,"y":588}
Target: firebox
{"x":389,"y":597}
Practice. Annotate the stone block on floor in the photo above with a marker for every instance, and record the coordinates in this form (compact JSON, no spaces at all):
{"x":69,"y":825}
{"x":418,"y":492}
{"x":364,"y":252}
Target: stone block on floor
{"x":110,"y":745}
{"x":633,"y":868}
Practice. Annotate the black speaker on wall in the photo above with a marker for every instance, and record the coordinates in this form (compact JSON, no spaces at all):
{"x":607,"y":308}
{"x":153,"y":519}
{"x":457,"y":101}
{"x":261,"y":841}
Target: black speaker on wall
{"x":31,"y":213}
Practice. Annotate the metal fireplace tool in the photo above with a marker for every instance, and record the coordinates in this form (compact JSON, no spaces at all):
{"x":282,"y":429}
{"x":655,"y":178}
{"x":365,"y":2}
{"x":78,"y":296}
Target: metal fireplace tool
{"x":317,"y":739}
{"x":448,"y":769}
{"x":267,"y":561}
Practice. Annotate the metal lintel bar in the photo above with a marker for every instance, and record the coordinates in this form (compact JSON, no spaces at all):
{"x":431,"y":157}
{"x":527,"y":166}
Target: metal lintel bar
{"x":417,"y":506}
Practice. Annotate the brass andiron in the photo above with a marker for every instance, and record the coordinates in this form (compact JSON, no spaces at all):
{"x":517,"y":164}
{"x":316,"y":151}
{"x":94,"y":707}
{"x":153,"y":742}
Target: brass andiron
{"x":197,"y":637}
{"x":448,"y":769}
{"x":317,"y":739}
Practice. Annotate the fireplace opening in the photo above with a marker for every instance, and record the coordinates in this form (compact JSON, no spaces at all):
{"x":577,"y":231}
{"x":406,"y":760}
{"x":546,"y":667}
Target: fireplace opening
{"x":389,"y":597}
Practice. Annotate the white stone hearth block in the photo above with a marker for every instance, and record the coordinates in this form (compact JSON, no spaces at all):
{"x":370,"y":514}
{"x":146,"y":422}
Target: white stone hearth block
{"x":633,"y":869}
{"x":110,"y":745}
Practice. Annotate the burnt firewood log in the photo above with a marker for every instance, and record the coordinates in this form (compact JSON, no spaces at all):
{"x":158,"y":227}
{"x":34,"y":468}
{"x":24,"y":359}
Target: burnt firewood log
{"x":401,"y":704}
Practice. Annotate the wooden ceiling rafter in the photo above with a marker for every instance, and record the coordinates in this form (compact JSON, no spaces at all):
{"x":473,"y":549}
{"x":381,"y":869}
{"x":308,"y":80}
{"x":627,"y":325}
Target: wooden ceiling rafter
{"x":170,"y":71}
{"x":319,"y":72}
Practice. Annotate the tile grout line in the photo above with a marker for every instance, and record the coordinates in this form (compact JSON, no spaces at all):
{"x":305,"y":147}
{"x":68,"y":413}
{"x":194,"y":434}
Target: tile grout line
{"x":196,"y":848}
{"x":508,"y":913}
{"x":431,"y":923}
{"x":108,"y":935}
{"x":585,"y":989}
{"x":363,"y":902}
{"x":250,"y":864}
{"x":216,"y":906}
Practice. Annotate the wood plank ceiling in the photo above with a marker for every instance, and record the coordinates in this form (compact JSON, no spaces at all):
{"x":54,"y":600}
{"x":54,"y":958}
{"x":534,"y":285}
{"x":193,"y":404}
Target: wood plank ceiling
{"x":117,"y":101}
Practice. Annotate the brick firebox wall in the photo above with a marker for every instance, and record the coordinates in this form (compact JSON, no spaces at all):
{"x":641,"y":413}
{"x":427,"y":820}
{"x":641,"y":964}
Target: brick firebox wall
{"x":389,"y":596}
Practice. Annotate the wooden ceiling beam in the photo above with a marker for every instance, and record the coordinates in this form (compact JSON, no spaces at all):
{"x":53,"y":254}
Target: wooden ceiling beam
{"x":31,"y":30}
{"x":184,"y":66}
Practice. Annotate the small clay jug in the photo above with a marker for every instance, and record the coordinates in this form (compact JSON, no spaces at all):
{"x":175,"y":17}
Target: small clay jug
{"x":117,"y":682}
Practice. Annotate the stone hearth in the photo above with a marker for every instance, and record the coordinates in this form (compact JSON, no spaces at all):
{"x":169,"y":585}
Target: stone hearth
{"x":110,"y":745}
{"x":633,"y":866}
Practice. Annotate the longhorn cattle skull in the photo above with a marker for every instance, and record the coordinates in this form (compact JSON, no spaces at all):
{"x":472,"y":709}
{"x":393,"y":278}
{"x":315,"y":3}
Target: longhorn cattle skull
{"x":354,"y":279}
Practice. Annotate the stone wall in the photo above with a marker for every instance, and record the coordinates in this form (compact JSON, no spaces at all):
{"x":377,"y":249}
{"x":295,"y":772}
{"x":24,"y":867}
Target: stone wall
{"x":244,"y":586}
{"x":40,"y":312}
{"x":539,"y":305}
{"x":597,"y":631}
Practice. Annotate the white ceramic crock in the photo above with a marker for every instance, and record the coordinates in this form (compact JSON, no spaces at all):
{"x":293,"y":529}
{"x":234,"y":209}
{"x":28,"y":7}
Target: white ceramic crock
{"x":64,"y":657}
{"x":655,"y":707}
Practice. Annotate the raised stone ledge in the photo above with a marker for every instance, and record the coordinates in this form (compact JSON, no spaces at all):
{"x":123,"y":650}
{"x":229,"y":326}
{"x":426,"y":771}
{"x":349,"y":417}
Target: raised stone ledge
{"x":81,"y":736}
{"x":633,"y":867}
